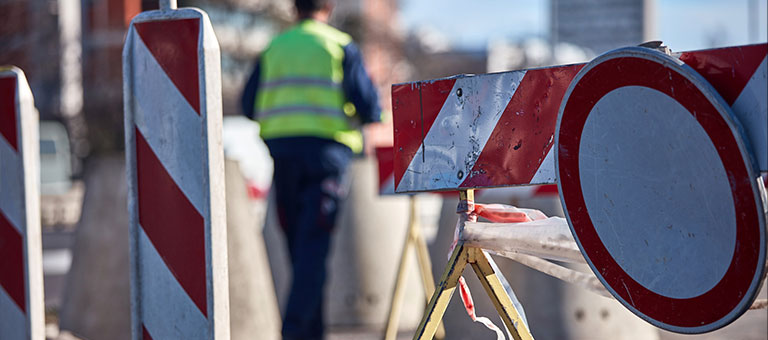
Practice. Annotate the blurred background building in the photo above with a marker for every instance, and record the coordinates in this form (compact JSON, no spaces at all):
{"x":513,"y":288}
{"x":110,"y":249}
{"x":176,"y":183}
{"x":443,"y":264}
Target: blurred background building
{"x":602,"y":25}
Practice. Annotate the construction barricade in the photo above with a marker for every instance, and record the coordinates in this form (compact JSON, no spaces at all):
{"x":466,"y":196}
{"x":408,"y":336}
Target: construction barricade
{"x":657,"y":158}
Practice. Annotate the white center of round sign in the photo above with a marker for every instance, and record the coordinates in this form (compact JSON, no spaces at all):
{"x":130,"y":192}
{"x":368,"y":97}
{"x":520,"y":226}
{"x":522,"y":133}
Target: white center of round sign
{"x":659,"y":190}
{"x":679,"y":227}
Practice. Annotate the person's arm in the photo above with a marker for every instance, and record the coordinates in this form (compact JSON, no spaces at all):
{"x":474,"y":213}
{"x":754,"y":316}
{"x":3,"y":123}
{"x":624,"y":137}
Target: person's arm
{"x":248,"y":97}
{"x":358,"y":87}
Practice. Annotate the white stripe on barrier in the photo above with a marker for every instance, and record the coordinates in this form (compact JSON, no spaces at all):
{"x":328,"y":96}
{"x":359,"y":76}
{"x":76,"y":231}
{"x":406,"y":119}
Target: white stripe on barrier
{"x":184,"y":320}
{"x":444,"y":155}
{"x":747,"y":109}
{"x":10,"y":318}
{"x":170,"y":125}
{"x":546,"y":172}
{"x":12,"y":199}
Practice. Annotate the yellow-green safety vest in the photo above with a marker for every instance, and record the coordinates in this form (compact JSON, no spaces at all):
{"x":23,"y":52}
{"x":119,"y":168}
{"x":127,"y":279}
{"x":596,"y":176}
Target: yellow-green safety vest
{"x":300,"y":92}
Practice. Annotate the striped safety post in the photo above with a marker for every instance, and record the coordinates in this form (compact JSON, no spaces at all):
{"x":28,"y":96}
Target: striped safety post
{"x":494,"y":130}
{"x":173,"y":124}
{"x":21,"y":255}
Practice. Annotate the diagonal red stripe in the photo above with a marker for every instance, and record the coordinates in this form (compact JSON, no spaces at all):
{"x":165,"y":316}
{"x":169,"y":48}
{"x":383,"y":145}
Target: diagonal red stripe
{"x":172,"y":223}
{"x":385,"y":157}
{"x":525,"y":132}
{"x":173,"y":43}
{"x":8,"y":110}
{"x":12,"y":262}
{"x":145,"y":333}
{"x":411,"y":102}
{"x":727,"y":69}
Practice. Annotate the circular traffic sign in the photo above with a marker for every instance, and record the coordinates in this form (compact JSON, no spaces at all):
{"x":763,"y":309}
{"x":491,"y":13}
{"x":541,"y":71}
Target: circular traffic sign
{"x":659,"y":190}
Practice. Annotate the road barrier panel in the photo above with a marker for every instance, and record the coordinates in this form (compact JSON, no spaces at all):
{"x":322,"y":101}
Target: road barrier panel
{"x":675,"y":143}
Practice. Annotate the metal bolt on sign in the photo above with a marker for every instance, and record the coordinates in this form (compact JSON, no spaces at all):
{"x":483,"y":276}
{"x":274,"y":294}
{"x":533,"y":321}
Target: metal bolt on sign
{"x":21,"y":268}
{"x":173,"y":124}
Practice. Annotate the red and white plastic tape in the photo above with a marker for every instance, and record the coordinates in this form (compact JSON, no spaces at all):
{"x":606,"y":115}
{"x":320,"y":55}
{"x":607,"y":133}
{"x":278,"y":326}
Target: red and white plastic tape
{"x":21,"y":268}
{"x":173,"y":123}
{"x":495,"y":130}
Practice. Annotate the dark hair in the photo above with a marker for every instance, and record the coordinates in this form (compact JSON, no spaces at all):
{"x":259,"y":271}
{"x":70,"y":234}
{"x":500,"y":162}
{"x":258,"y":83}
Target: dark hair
{"x":309,"y":6}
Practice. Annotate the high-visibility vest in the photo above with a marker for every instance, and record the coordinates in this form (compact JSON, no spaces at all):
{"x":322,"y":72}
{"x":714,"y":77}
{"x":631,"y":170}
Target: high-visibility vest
{"x":300,"y":89}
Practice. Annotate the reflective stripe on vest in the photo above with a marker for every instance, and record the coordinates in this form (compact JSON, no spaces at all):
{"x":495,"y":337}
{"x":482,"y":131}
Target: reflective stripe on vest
{"x":284,"y":110}
{"x":301,"y":81}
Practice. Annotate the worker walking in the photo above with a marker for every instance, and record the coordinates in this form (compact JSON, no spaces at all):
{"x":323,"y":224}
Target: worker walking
{"x":309,"y":91}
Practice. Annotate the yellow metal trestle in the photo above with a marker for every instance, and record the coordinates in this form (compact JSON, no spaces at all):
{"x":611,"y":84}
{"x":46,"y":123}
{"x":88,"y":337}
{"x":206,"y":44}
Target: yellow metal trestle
{"x":478,"y":258}
{"x":413,"y":239}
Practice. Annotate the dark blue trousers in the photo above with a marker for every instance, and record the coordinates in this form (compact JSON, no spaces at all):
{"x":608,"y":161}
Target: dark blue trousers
{"x":309,"y":184}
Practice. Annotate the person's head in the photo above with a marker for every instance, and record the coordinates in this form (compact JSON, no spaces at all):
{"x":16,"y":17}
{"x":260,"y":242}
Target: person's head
{"x":314,"y":9}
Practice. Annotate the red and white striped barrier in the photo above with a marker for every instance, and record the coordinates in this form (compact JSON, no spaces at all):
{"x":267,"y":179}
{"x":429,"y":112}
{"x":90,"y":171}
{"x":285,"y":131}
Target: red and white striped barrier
{"x":494,"y":130}
{"x":173,"y":123}
{"x":21,"y":255}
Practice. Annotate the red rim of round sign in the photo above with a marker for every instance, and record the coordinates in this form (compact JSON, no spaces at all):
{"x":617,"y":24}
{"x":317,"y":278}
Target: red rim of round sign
{"x":701,"y":313}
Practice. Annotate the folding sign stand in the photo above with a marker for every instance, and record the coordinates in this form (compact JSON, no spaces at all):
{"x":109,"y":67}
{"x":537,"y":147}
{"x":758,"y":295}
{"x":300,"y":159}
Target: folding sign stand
{"x":478,"y":258}
{"x":413,"y":239}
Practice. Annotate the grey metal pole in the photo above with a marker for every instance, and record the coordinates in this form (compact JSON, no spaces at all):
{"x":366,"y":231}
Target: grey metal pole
{"x":168,"y":4}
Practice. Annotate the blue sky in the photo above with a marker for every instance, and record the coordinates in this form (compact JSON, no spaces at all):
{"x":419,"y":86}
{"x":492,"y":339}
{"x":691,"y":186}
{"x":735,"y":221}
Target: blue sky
{"x":681,"y":24}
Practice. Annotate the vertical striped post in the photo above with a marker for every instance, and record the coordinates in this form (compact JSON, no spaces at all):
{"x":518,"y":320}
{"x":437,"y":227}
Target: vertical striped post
{"x":172,"y":104}
{"x":21,"y":263}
